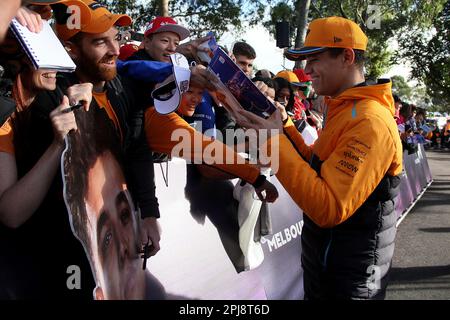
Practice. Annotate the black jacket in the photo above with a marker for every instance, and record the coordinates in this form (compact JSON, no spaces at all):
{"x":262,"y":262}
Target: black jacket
{"x":352,"y":260}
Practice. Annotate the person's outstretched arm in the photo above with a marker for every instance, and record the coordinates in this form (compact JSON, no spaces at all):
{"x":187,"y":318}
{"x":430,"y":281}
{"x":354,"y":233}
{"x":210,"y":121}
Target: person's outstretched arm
{"x":170,"y":134}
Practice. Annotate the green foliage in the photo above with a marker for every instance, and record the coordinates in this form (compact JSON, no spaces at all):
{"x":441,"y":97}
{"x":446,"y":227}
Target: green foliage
{"x":282,"y":11}
{"x":401,"y":88}
{"x":429,"y":55}
{"x":140,"y":13}
{"x":199,"y":15}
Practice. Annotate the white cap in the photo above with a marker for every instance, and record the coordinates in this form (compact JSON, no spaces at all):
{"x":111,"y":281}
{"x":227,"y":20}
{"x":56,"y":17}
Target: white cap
{"x":167,"y":95}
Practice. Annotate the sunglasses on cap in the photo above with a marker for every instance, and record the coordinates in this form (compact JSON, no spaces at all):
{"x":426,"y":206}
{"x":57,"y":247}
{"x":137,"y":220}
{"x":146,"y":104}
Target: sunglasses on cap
{"x":164,"y":92}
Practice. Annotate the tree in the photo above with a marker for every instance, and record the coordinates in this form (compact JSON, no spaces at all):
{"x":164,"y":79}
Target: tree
{"x":297,"y":14}
{"x":199,"y":15}
{"x":429,"y":54}
{"x":139,"y":12}
{"x":401,"y":88}
{"x":163,"y":8}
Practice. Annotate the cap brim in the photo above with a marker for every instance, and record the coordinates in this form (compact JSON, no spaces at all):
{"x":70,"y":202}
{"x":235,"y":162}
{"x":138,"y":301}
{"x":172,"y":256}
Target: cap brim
{"x":300,"y":54}
{"x":175,"y":28}
{"x":123,"y":20}
{"x":167,"y":98}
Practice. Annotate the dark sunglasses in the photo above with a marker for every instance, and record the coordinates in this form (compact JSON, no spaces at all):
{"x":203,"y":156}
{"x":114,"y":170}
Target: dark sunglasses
{"x":165,"y":92}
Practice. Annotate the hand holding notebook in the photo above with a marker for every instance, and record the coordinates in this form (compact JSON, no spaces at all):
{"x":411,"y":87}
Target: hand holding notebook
{"x":44,"y":49}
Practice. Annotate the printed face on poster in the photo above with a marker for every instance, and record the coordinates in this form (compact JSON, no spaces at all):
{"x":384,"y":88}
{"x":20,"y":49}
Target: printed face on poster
{"x":102,"y":213}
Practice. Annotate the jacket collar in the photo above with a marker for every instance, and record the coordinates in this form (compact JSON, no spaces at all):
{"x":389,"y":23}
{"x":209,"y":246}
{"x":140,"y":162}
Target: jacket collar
{"x":380,"y":92}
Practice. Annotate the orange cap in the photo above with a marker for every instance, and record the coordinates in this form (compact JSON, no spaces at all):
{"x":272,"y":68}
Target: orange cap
{"x":331,"y":32}
{"x":95,"y":18}
{"x":290,"y":76}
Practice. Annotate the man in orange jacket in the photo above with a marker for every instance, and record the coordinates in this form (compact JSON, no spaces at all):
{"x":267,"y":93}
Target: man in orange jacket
{"x":346,"y":183}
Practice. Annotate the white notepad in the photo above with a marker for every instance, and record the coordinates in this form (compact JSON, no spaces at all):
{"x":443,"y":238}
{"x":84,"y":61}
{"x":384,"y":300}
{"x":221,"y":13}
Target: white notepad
{"x":44,"y":48}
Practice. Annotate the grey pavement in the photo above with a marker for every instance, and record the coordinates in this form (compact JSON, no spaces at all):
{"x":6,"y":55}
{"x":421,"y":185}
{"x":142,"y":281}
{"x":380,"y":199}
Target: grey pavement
{"x":421,"y":264}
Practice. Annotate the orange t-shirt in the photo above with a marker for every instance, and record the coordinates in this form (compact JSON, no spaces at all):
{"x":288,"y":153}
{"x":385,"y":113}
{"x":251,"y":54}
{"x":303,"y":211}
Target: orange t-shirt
{"x":7,"y":138}
{"x":103,"y":102}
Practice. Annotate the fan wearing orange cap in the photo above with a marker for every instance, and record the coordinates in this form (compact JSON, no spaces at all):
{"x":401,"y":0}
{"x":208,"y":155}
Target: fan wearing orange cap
{"x":347,"y":182}
{"x":298,"y":107}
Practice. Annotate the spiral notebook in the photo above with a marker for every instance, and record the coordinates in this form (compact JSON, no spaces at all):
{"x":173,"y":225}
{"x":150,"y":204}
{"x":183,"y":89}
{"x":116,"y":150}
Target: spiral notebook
{"x":44,"y":48}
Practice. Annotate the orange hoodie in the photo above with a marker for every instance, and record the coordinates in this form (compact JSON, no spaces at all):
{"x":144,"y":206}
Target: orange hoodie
{"x":358,"y":146}
{"x":447,"y":129}
{"x":160,"y":129}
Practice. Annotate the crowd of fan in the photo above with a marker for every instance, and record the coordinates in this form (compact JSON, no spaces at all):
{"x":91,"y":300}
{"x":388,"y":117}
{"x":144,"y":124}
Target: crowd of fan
{"x":415,"y":128}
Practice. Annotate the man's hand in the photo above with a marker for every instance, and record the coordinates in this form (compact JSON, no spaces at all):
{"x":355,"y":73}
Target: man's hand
{"x":191,"y":48}
{"x":30,"y":19}
{"x":282,"y":110}
{"x":317,"y":122}
{"x":63,"y":121}
{"x":151,"y":233}
{"x":267,"y":192}
{"x":80,"y":93}
{"x":203,"y":76}
{"x":250,"y":120}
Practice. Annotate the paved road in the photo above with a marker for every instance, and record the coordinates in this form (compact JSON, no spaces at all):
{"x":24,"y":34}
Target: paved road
{"x":421,"y":265}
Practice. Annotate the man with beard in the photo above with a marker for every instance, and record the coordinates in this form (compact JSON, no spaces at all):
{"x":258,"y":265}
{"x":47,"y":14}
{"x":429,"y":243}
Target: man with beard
{"x":94,"y":49}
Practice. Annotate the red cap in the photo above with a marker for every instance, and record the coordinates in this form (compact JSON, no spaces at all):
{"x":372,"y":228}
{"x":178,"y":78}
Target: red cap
{"x":166,"y":24}
{"x":127,"y":50}
{"x":302,"y":76}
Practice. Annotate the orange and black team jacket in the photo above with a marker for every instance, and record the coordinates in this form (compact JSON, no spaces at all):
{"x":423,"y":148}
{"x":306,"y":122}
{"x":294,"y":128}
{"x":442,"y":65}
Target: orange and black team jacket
{"x":346,"y":185}
{"x":358,"y":147}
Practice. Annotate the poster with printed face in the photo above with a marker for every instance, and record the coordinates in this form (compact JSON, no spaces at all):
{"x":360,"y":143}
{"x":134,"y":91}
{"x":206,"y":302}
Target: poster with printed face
{"x":218,"y":240}
{"x":101,"y":210}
